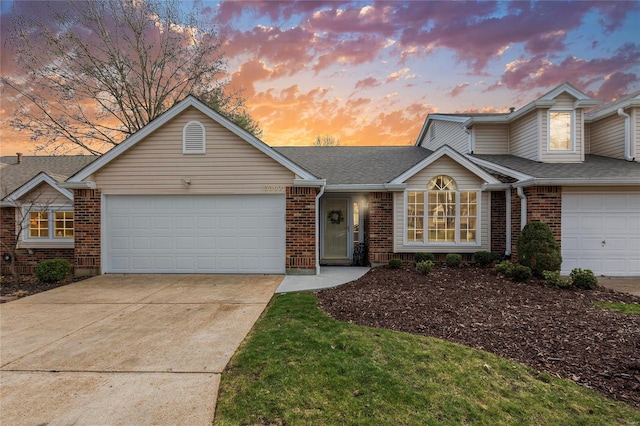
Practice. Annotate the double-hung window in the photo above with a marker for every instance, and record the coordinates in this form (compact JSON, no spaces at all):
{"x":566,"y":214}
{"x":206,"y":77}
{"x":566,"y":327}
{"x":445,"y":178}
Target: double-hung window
{"x":49,"y":224}
{"x":561,"y":130}
{"x":450,"y":216}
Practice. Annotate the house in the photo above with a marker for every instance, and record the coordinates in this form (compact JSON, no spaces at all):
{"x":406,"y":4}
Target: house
{"x":193,"y":193}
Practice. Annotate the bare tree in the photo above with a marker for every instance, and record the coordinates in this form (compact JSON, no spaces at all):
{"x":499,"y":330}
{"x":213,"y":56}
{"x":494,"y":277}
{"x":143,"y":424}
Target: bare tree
{"x":22,"y":214}
{"x":97,"y":71}
{"x":327,"y":140}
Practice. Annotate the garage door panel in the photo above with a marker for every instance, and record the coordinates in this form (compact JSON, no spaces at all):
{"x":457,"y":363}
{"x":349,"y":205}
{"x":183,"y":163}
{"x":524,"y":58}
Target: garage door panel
{"x":588,"y":220}
{"x":196,"y":234}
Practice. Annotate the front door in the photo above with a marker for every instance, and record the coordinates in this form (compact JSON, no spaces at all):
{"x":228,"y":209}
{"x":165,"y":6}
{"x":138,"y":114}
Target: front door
{"x":335,"y":241}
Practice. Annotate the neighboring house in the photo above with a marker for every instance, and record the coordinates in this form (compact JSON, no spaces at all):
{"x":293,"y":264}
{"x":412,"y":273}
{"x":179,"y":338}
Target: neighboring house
{"x":194,"y":193}
{"x":30,"y":193}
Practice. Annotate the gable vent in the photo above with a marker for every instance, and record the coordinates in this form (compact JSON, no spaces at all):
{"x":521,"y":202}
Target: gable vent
{"x":193,"y":138}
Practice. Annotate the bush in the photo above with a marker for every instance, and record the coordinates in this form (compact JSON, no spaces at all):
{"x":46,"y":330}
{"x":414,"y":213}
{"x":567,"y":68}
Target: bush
{"x":537,"y":248}
{"x":521,"y":274}
{"x":395,"y":263}
{"x":584,"y":278}
{"x":484,"y":258}
{"x":425,"y":266}
{"x":421,"y":257}
{"x":53,"y":270}
{"x":553,"y":278}
{"x":505,"y":268}
{"x":453,"y":260}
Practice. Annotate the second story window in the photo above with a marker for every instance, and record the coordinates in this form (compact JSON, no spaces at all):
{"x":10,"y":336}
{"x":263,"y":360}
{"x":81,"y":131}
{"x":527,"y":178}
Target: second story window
{"x":560,"y":130}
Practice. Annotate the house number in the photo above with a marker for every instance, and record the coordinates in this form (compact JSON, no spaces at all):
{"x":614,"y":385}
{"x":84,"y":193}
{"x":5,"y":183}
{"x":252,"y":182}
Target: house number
{"x":272,"y":188}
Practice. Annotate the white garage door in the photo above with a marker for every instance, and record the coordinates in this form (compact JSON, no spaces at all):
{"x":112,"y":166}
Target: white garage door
{"x":601,"y":232}
{"x":195,"y":234}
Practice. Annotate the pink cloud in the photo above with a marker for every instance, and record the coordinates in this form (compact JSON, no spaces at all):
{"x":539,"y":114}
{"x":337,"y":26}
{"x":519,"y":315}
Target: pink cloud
{"x":366,"y":83}
{"x":456,"y":91}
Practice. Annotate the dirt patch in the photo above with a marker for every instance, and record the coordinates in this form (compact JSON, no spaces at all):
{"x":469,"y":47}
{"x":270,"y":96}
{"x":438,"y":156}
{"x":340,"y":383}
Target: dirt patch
{"x":26,"y":285}
{"x":550,"y":329}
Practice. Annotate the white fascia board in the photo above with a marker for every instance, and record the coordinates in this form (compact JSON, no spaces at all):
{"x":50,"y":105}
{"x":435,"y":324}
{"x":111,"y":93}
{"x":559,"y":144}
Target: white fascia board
{"x":309,"y":182}
{"x":41,"y":177}
{"x":503,"y":119}
{"x":565,"y":87}
{"x":455,"y":156}
{"x":612,"y":109}
{"x":501,"y":169}
{"x":170,"y":114}
{"x":365,"y":187}
{"x":578,"y":182}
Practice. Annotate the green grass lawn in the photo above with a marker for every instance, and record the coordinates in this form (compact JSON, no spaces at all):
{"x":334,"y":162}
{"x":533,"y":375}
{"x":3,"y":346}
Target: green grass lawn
{"x":300,"y":367}
{"x":625,"y":308}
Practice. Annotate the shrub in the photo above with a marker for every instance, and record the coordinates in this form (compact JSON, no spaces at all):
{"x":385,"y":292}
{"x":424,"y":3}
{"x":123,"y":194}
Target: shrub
{"x":537,"y":248}
{"x":453,"y":260}
{"x":505,"y":268}
{"x":484,"y":258}
{"x":53,"y":270}
{"x":584,"y":278}
{"x":421,"y":257}
{"x":521,"y":273}
{"x":395,"y":263}
{"x":553,"y":278}
{"x":425,"y":266}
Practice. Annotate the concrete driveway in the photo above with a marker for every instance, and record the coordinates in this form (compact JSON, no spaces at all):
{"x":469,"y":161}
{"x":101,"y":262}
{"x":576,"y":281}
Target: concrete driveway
{"x":125,"y":349}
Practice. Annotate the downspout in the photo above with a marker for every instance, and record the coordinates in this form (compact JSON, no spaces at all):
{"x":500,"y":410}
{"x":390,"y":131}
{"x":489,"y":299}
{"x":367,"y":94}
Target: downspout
{"x":469,"y":139}
{"x":318,"y":229}
{"x":523,"y":207}
{"x":507,"y":251}
{"x":627,"y":134}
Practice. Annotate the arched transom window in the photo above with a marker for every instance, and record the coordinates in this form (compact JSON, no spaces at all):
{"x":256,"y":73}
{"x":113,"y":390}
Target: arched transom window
{"x":449,"y":216}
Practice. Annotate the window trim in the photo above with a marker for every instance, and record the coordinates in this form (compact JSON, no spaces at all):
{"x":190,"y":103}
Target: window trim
{"x":457,"y":241}
{"x":51,"y":210}
{"x":572,"y":132}
{"x":189,"y":151}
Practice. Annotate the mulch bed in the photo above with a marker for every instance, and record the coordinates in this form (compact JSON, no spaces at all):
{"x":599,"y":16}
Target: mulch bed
{"x":553,"y":330}
{"x":26,"y":285}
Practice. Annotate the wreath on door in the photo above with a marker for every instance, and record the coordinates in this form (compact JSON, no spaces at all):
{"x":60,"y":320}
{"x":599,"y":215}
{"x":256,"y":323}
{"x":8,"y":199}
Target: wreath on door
{"x":335,"y":216}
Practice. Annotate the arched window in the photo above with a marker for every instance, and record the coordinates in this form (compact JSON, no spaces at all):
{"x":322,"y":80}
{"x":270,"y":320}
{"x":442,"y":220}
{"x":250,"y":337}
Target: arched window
{"x":193,"y":138}
{"x":442,"y":212}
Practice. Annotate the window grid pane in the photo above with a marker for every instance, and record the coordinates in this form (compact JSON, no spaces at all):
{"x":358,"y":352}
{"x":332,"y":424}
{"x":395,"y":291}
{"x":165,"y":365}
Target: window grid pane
{"x":415,"y":217}
{"x":442,"y":216}
{"x":63,"y":225}
{"x":468,"y":216}
{"x":39,"y":225}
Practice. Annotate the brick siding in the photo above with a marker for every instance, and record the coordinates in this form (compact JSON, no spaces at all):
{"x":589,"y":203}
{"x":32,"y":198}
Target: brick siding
{"x":498,"y":222}
{"x":26,"y":259}
{"x":380,"y":227}
{"x":301,"y":230}
{"x":86,"y":204}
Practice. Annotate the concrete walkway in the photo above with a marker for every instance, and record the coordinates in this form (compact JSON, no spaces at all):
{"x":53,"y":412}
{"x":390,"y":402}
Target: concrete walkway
{"x":330,"y":276}
{"x":125,"y":349}
{"x":622,"y":285}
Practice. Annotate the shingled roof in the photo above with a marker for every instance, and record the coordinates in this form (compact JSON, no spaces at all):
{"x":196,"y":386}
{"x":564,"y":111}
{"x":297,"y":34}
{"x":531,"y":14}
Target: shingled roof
{"x":594,"y":167}
{"x":353,"y":165}
{"x":13,"y":174}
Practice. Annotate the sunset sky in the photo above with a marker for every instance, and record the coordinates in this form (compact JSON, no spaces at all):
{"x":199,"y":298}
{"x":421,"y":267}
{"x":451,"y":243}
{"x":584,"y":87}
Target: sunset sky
{"x":368,"y":73}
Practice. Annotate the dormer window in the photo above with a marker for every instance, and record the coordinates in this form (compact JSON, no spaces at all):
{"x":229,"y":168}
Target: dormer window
{"x":193,"y":138}
{"x":561,"y":131}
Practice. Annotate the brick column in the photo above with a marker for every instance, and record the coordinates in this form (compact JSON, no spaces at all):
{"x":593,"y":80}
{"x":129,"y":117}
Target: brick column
{"x":380,"y":227}
{"x":301,"y":230}
{"x":86,"y":222}
{"x":544,"y":204}
{"x":498,"y":222}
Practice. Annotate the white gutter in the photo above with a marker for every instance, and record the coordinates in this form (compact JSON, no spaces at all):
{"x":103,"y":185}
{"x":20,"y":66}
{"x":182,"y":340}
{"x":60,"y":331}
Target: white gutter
{"x":523,"y":207}
{"x":365,"y":187}
{"x":78,"y":185}
{"x":631,"y":181}
{"x":318,"y":228}
{"x":507,"y":251}
{"x":627,"y":134}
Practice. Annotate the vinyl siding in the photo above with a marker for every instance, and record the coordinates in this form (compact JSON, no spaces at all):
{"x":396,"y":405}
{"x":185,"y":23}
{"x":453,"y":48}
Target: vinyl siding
{"x":465,"y":180}
{"x":635,"y":122}
{"x":447,"y":133}
{"x":491,"y":139}
{"x":574,"y":156}
{"x":156,"y":165}
{"x":45,"y":195}
{"x":525,"y":136}
{"x":607,"y":137}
